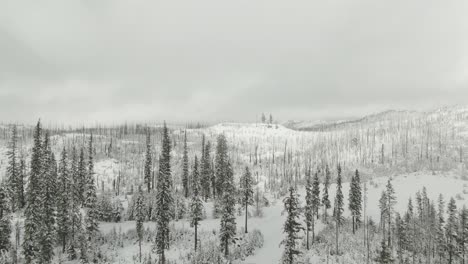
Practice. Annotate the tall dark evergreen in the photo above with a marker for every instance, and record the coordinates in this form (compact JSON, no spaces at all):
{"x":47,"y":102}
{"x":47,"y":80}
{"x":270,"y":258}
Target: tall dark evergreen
{"x":246,"y":192}
{"x":196,"y":204}
{"x":391,"y":202}
{"x":316,"y":195}
{"x":140,"y":218}
{"x":205,"y":180}
{"x":81,"y":177}
{"x":164,"y":199}
{"x":292,"y":228}
{"x":13,"y":172}
{"x":451,"y":230}
{"x":47,"y":230}
{"x":32,"y":221}
{"x":228,"y":203}
{"x":221,"y":161}
{"x":355,"y":200}
{"x":63,"y":201}
{"x":5,"y":226}
{"x":308,"y":210}
{"x":90,"y":204}
{"x":338,"y":209}
{"x":75,"y":201}
{"x":325,"y":198}
{"x":148,"y":161}
{"x":185,"y":168}
{"x":463,"y":233}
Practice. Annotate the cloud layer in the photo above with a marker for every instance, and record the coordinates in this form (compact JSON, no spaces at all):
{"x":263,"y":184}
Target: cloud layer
{"x":116,"y":60}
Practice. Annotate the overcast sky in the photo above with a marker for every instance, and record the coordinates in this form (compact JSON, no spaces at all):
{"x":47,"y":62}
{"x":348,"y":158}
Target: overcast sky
{"x":114,"y":60}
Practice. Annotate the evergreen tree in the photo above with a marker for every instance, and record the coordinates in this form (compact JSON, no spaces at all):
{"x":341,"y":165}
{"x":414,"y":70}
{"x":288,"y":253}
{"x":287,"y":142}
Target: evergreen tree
{"x":246,"y":192}
{"x":463,"y":232}
{"x":63,"y":202}
{"x":164,"y":199}
{"x":391,"y":202}
{"x":5,"y":226}
{"x":13,"y":171}
{"x":355,"y":200}
{"x":228,"y":219}
{"x":90,"y":204}
{"x":221,"y":161}
{"x":291,"y":228}
{"x":205,"y":180}
{"x":338,"y":209}
{"x":81,"y":177}
{"x":185,"y":168}
{"x":48,"y":202}
{"x":309,"y":211}
{"x":440,"y":238}
{"x":20,"y":197}
{"x":451,"y":230}
{"x":75,"y":204}
{"x":385,"y":255}
{"x":196,"y":205}
{"x":325,"y":199}
{"x":316,"y":195}
{"x":139,"y":217}
{"x":32,"y":213}
{"x":148,"y":160}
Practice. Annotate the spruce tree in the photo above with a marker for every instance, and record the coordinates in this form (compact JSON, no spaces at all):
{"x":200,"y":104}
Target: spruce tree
{"x":463,"y":232}
{"x":81,"y":177}
{"x":185,"y":168}
{"x":48,"y":202}
{"x":228,"y":202}
{"x":5,"y":226}
{"x":316,"y":195}
{"x":75,"y":204}
{"x":139,"y":217}
{"x":385,"y":255}
{"x":338,"y":209}
{"x":221,"y":160}
{"x":90,"y":204}
{"x":308,"y":210}
{"x":325,"y":199}
{"x":391,"y":202}
{"x":246,"y":192}
{"x":196,"y":204}
{"x":291,"y":228}
{"x":148,"y":161}
{"x":164,"y":199}
{"x":32,"y":213}
{"x":13,"y":171}
{"x":20,"y":197}
{"x":205,"y":179}
{"x":355,"y":200}
{"x":451,"y":230}
{"x":440,"y":238}
{"x":63,"y":201}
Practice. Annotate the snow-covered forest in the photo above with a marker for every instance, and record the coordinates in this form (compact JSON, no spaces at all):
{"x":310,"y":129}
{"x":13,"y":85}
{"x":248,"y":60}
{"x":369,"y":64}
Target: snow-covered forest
{"x":386,"y":188}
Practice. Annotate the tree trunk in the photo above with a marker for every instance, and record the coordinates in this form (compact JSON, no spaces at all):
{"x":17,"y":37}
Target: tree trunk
{"x":246,"y":213}
{"x":196,"y":238}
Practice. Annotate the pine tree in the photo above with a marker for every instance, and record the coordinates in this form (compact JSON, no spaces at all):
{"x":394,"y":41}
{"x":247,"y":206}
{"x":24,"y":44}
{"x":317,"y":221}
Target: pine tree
{"x":325,"y":199}
{"x":48,"y":202}
{"x":463,"y":232}
{"x":338,"y":209}
{"x":246,"y":192}
{"x":5,"y":226}
{"x":196,"y":205}
{"x":148,"y":161}
{"x":75,"y":204}
{"x":139,"y":217}
{"x":291,"y":228}
{"x":385,"y":255}
{"x":20,"y":198}
{"x":316,"y":195}
{"x":63,"y":202}
{"x":309,"y":211}
{"x":355,"y":200}
{"x":13,"y":171}
{"x":185,"y":168}
{"x":90,"y":204}
{"x":391,"y":202}
{"x":440,"y":239}
{"x":32,"y":213}
{"x":228,"y":219}
{"x":81,"y":177}
{"x":206,"y":171}
{"x":221,"y":160}
{"x":451,"y":230}
{"x":164,"y":199}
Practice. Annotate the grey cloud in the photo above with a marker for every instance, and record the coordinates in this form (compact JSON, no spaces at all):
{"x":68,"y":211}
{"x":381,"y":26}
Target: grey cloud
{"x":215,"y":60}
